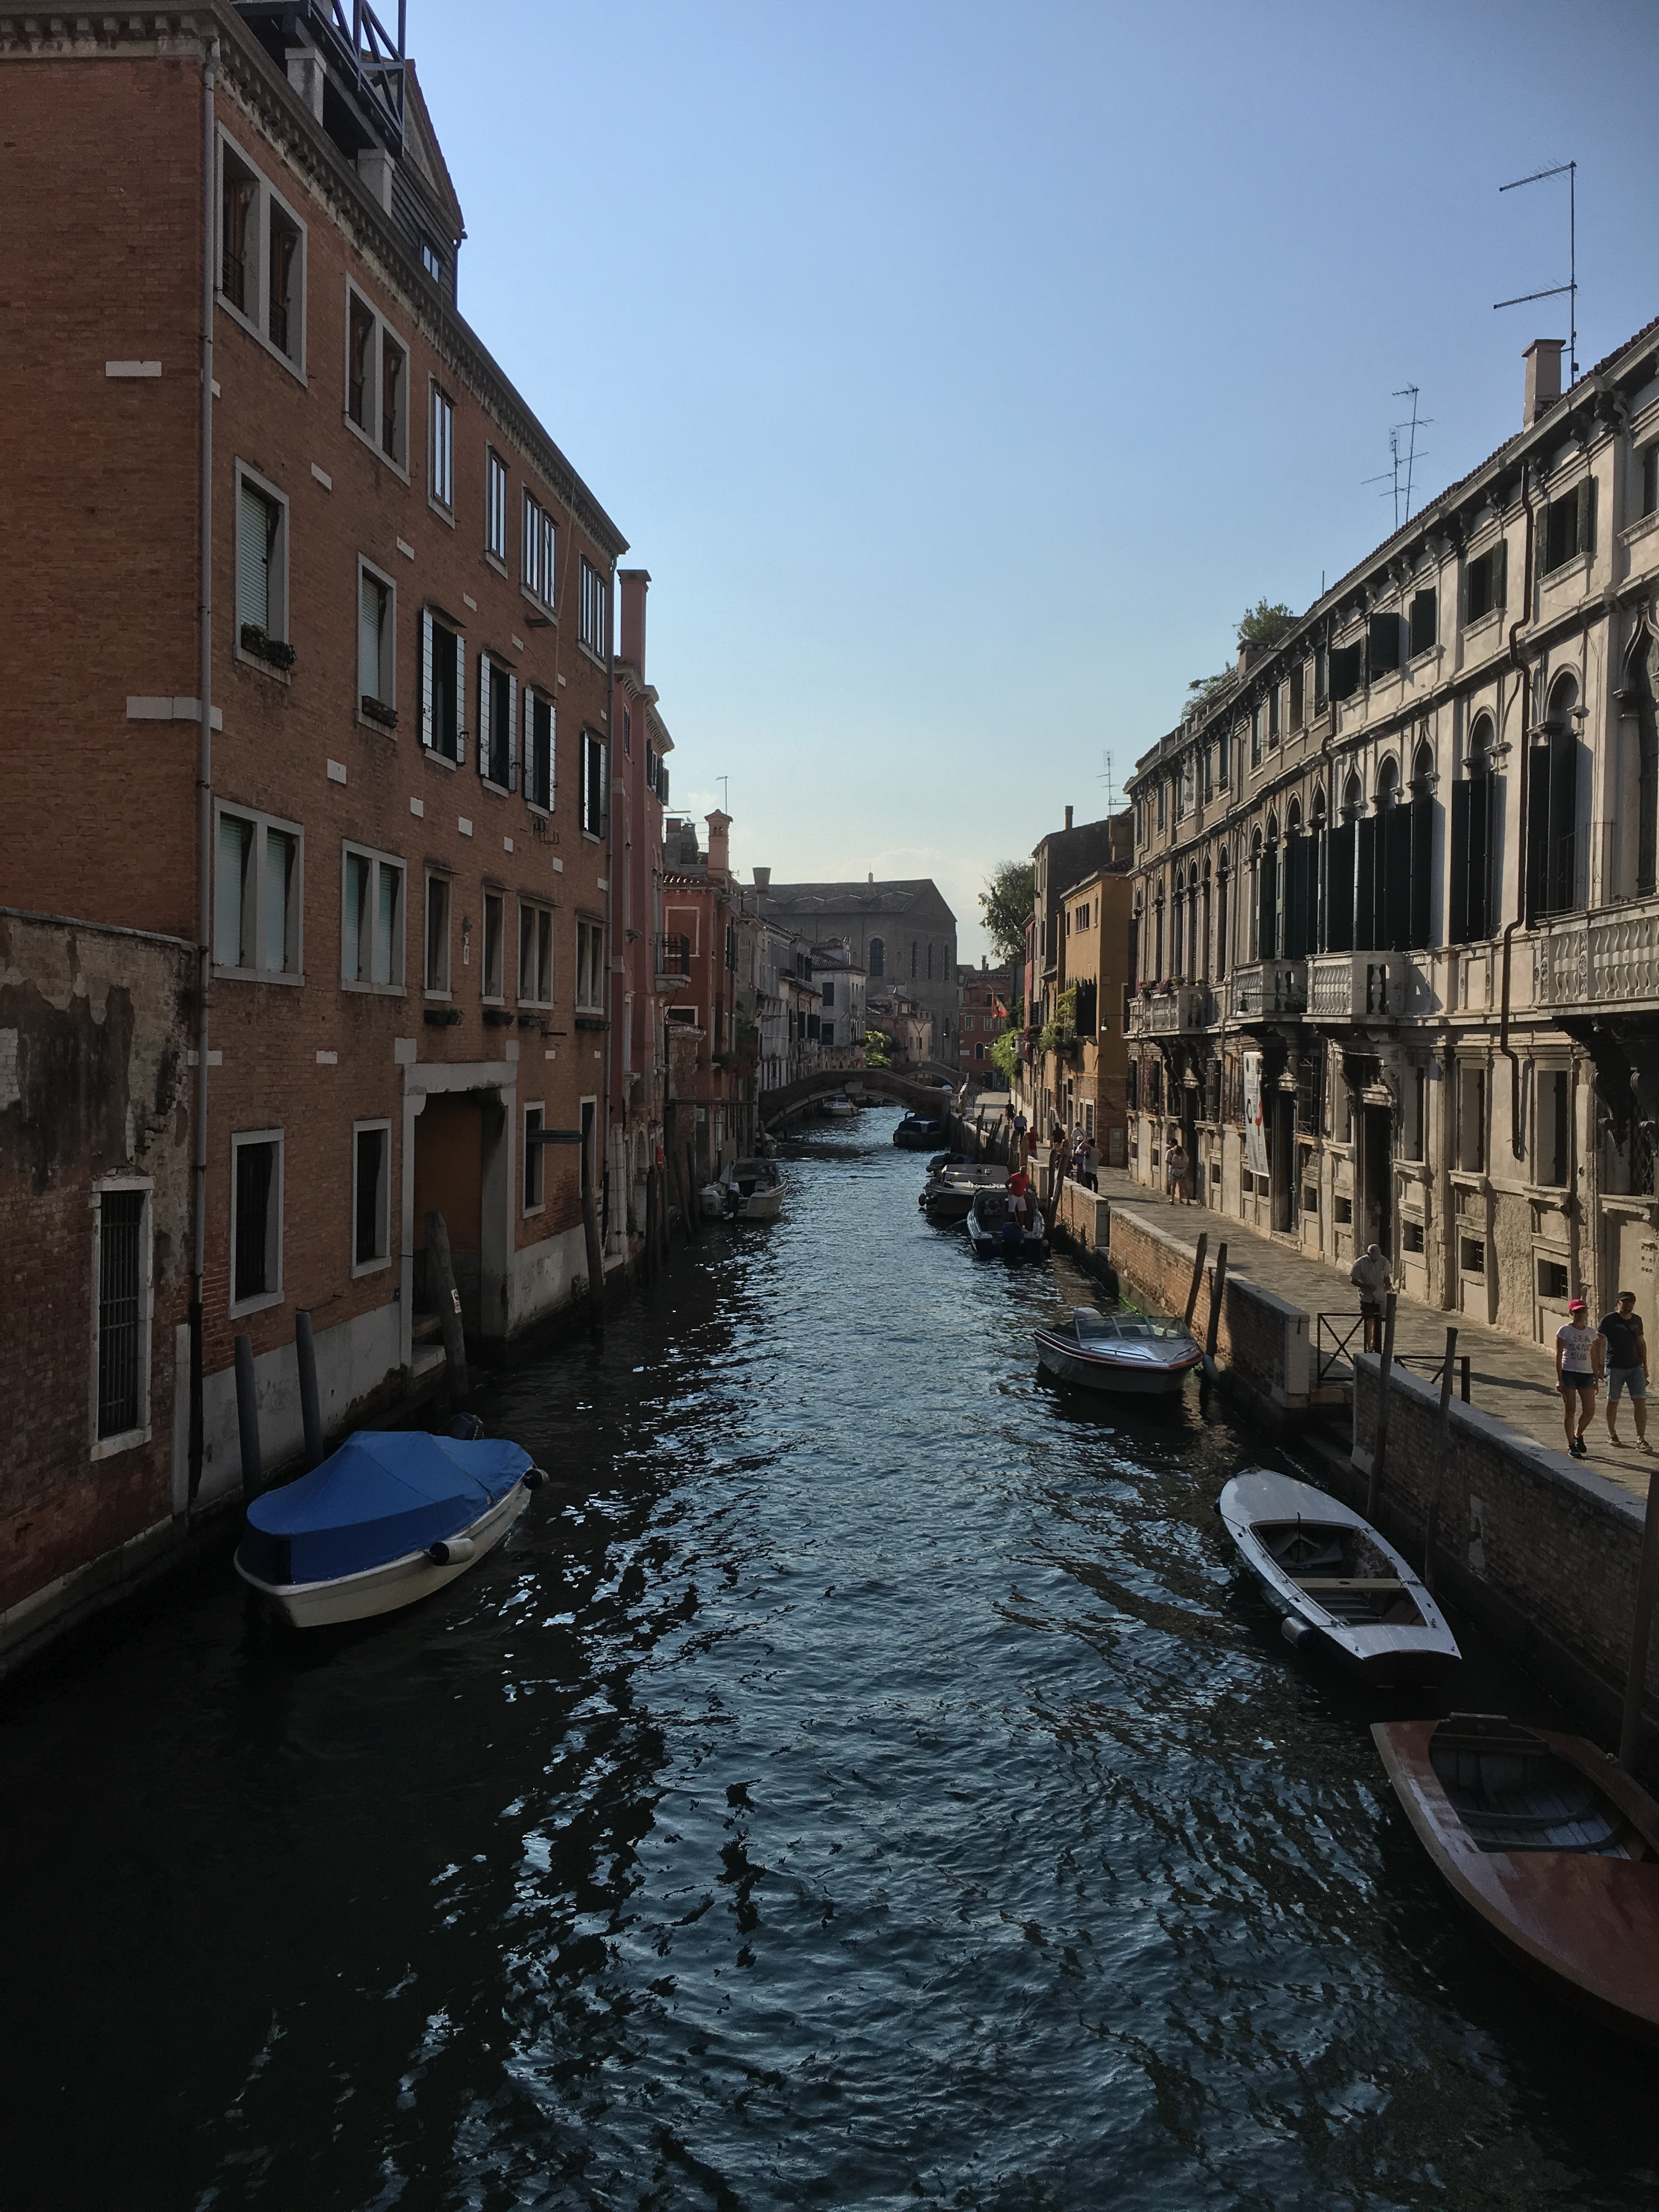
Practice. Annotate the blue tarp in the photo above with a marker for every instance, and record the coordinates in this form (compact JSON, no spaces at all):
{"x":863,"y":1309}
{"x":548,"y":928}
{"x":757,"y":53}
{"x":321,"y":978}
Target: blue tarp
{"x":385,"y":1493}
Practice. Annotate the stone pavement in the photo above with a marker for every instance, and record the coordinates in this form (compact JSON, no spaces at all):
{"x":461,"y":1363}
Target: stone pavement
{"x":1512,"y":1382}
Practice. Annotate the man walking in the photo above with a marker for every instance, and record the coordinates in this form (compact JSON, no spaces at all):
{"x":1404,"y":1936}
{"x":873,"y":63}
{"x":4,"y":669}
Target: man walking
{"x":1578,"y":1371}
{"x":1627,"y":1367}
{"x":1369,"y":1277}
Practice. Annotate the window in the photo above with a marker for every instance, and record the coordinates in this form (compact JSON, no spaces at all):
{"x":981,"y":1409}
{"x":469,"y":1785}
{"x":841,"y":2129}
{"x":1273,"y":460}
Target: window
{"x":1568,"y":528}
{"x":826,"y":1030}
{"x":1416,"y":1131}
{"x":590,"y":967}
{"x":257,"y":902}
{"x":1342,"y":1211}
{"x":262,"y":570}
{"x":261,"y":258}
{"x":1255,"y":735}
{"x":495,"y":506}
{"x":535,"y":1170}
{"x":1472,"y":838}
{"x":431,"y":260}
{"x":498,"y":709}
{"x":1647,"y":480}
{"x":1472,"y":1120}
{"x":1298,"y":694}
{"x":1424,"y":622}
{"x":1161,"y":805}
{"x":1381,"y":646}
{"x":1553,"y":1279}
{"x":535,"y":955}
{"x":437,"y":935}
{"x":371,"y":1188}
{"x":1484,"y":586}
{"x":1411,"y":1235}
{"x":878,"y":957}
{"x":376,"y":380}
{"x":256,"y":1219}
{"x":1272,"y":718}
{"x":443,"y":687}
{"x":377,"y":636}
{"x":593,"y":793}
{"x":121,"y":1354}
{"x":371,"y":922}
{"x":1224,"y":761}
{"x":595,"y":630}
{"x":539,"y":722}
{"x":1472,"y":1254}
{"x":492,"y":976}
{"x":829,"y":991}
{"x":1554,"y":1126}
{"x":541,"y":541}
{"x":1347,"y":668}
{"x":440,"y":453}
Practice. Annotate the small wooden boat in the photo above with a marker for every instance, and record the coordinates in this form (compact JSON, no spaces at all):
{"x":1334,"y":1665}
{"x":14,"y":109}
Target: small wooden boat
{"x":914,"y":1133}
{"x":994,"y":1233}
{"x":1334,"y":1580}
{"x":1144,"y":1355}
{"x":1553,"y":1847}
{"x":390,"y":1517}
{"x":949,"y":1193}
{"x":758,"y":1188}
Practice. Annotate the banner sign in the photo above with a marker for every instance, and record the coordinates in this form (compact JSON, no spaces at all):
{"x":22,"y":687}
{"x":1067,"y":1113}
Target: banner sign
{"x":1255,"y":1142}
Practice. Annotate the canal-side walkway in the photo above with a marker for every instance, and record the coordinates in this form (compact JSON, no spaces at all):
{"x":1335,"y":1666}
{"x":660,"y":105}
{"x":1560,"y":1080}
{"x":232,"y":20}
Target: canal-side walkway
{"x":1512,"y":1382}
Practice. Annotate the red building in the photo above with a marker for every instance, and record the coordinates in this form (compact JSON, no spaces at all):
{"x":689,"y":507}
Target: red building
{"x":985,"y":1002}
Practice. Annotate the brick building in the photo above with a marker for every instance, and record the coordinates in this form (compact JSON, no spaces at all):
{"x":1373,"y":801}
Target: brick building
{"x":372,"y":785}
{"x":985,"y":1000}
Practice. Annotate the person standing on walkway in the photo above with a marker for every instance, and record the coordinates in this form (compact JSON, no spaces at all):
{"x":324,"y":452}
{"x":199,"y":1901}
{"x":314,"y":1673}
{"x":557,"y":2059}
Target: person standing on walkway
{"x":1627,"y":1367}
{"x":1370,"y":1276}
{"x":1578,"y":1370}
{"x":1175,"y":1161}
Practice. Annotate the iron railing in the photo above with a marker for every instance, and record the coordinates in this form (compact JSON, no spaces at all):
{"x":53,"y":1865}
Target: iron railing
{"x":1339,"y":1337}
{"x":672,"y":955}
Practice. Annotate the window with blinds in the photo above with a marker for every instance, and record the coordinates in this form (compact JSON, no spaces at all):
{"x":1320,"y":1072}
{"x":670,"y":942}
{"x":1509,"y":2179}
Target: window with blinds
{"x":372,"y":921}
{"x":595,"y":609}
{"x":442,"y":455}
{"x":257,"y":896}
{"x":376,"y":632}
{"x":123,"y":1278}
{"x":262,"y":572}
{"x":535,"y":955}
{"x":262,"y":256}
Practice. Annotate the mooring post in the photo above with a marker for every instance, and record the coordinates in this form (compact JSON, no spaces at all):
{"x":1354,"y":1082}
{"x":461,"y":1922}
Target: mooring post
{"x":650,"y":1251}
{"x":1198,"y":1274}
{"x":1464,"y":1392}
{"x":1442,"y":1446}
{"x":1380,"y":1441}
{"x":1647,"y":1583}
{"x":248,"y":1418}
{"x":440,"y":1267}
{"x":1217,"y":1285}
{"x":693,"y":1196}
{"x":595,"y":1263}
{"x":305,"y":1351}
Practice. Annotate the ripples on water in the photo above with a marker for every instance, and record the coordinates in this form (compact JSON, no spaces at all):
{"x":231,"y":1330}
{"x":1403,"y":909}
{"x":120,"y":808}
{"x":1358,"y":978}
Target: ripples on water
{"x":860,"y":1779}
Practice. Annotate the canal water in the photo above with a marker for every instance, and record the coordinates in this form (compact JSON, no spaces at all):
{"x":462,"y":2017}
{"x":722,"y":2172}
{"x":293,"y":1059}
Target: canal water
{"x":862,"y":1780}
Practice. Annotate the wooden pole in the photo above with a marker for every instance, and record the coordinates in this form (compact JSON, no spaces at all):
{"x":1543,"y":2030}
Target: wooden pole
{"x":595,"y":1263}
{"x":649,"y":1253}
{"x":1198,"y":1274}
{"x":1217,"y":1285}
{"x":679,"y":1166}
{"x":248,"y":1418}
{"x":1380,"y":1440}
{"x":441,"y":1274}
{"x":1441,"y":1449}
{"x":1647,"y":1583}
{"x":305,"y":1351}
{"x":693,"y":1195}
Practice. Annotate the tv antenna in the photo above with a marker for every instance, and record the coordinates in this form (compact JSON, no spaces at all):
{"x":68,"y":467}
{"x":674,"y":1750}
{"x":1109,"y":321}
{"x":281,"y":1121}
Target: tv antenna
{"x":1569,"y":171}
{"x":725,"y":783}
{"x":1391,"y":475}
{"x":1106,"y":780}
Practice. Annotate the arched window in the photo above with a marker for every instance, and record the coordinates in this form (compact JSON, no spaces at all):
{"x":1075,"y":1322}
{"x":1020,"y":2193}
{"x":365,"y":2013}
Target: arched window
{"x":1316,"y":870}
{"x":1206,"y":954}
{"x":1268,"y":930}
{"x":1473,"y":910}
{"x":1192,"y":923}
{"x":1256,"y":901}
{"x":1223,"y":918}
{"x":1177,"y":924}
{"x":930,"y":959}
{"x":1343,"y":904}
{"x":878,"y":956}
{"x":1552,"y":869}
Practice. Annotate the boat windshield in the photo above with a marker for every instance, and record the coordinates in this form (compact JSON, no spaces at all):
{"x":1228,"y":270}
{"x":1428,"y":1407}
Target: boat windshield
{"x":1096,"y":1327}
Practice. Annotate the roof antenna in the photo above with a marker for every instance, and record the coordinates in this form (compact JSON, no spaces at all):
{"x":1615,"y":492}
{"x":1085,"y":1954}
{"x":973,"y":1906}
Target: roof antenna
{"x":1106,"y":780}
{"x":1391,"y":475}
{"x":725,"y":783}
{"x":1569,"y":171}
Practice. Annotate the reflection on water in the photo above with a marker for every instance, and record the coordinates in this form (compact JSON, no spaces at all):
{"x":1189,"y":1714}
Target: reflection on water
{"x":861,"y":1778}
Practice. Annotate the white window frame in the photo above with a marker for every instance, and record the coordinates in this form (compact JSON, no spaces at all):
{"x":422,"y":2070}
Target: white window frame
{"x":256,"y":930}
{"x":497,"y":485}
{"x":593,"y":627}
{"x":535,"y":910}
{"x":374,"y":386}
{"x":377,"y":862}
{"x":277,"y":626}
{"x":441,"y":451}
{"x":527,"y":1205}
{"x":265,"y":195}
{"x":261,"y":1299}
{"x":539,"y":553}
{"x":496,"y":897}
{"x":360,"y":1129}
{"x":125,"y":1439}
{"x":589,"y":966}
{"x":429,"y":989}
{"x":388,"y":649}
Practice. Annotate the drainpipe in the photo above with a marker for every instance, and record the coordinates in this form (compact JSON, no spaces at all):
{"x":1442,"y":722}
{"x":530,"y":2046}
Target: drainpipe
{"x":617,"y":1198}
{"x":203,"y":788}
{"x":1517,"y":1140}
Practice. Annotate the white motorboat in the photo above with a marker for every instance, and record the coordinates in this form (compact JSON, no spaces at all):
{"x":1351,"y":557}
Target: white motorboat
{"x":996,"y":1232}
{"x":1144,"y":1355}
{"x":840,"y":1105}
{"x":950,"y":1191}
{"x":1334,"y":1580}
{"x":754,"y":1191}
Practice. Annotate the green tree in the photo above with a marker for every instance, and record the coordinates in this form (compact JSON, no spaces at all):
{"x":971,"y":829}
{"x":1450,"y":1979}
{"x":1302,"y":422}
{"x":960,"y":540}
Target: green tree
{"x":878,"y":1048}
{"x":1261,"y":624}
{"x":1005,"y":903}
{"x":1006,"y":1053}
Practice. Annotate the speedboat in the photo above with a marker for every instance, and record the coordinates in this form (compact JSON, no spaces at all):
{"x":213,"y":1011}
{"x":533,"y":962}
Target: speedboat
{"x":995,"y":1234}
{"x":840,"y":1105}
{"x":1146,"y":1355}
{"x":390,"y":1517}
{"x":950,"y":1192}
{"x":1552,"y":1848}
{"x":1334,"y":1580}
{"x":916,"y":1134}
{"x":759,"y":1189}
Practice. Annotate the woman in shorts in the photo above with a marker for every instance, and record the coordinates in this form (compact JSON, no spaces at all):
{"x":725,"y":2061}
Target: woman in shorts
{"x":1578,"y":1370}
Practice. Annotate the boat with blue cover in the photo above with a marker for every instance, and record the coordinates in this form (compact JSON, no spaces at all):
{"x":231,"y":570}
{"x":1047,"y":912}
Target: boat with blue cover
{"x":390,"y":1517}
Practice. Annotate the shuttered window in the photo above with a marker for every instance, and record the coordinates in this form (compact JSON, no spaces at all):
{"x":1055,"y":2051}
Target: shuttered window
{"x":443,"y":686}
{"x":498,"y":699}
{"x":233,"y":905}
{"x":538,"y":751}
{"x":258,"y":521}
{"x":375,"y":637}
{"x":592,"y":792}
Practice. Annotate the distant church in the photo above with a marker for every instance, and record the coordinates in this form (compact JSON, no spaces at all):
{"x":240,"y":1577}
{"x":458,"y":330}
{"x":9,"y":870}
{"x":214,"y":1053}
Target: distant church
{"x":903,"y":932}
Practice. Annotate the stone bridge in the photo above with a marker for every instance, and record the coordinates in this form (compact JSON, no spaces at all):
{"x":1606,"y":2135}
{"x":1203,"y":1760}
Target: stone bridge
{"x":919,"y":1096}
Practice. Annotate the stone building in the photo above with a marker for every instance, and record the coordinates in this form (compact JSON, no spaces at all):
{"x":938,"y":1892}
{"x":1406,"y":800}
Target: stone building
{"x":1396,"y":918}
{"x":1080,"y":874}
{"x":902,"y":935}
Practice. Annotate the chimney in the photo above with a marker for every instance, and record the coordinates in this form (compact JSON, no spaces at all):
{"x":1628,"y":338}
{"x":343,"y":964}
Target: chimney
{"x":871,"y":876}
{"x":719,"y":823}
{"x":1543,"y":360}
{"x":307,"y":73}
{"x":762,"y":880}
{"x":375,"y":166}
{"x":635,"y":583}
{"x":1068,"y":818}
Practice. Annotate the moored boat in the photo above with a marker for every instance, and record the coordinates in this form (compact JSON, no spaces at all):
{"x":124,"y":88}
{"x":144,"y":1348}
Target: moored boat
{"x":841,"y":1105}
{"x":995,"y":1233}
{"x":754,"y":1190}
{"x":916,"y":1134}
{"x":390,"y":1517}
{"x":950,"y":1192}
{"x":1334,"y":1580}
{"x":1553,"y":1849}
{"x":1144,"y":1355}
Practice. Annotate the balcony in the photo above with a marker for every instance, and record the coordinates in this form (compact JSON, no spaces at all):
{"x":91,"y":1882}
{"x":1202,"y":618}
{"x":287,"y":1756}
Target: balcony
{"x":1269,"y":990}
{"x":1167,"y":1013}
{"x":1607,"y":958}
{"x":1358,"y":986}
{"x":671,"y":957}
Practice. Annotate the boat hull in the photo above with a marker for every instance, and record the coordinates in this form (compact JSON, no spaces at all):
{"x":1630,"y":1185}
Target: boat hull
{"x":1585,"y":1925}
{"x":387,"y":1588}
{"x":1121,"y":1377}
{"x":763,"y":1205}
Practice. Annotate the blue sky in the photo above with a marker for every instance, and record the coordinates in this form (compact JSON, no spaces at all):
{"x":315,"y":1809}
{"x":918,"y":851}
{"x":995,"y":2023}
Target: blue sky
{"x":961,"y":373}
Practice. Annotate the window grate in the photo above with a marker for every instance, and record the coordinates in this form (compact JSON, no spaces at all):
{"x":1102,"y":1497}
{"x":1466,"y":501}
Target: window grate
{"x":120,"y":1315}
